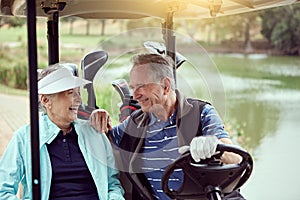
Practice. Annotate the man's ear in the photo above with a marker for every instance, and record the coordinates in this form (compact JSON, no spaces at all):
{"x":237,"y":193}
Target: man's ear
{"x":166,"y":84}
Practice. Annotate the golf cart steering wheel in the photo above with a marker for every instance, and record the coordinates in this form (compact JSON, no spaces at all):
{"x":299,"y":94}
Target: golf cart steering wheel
{"x":210,"y":178}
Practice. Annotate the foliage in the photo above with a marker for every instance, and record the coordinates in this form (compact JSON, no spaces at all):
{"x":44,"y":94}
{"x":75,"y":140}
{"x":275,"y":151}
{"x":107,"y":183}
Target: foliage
{"x":13,"y":69}
{"x":14,"y":76}
{"x":279,"y":29}
{"x":281,"y":26}
{"x":105,"y":100}
{"x":142,"y":23}
{"x":226,"y":28}
{"x":12,"y":91}
{"x":237,"y":133}
{"x":12,"y":21}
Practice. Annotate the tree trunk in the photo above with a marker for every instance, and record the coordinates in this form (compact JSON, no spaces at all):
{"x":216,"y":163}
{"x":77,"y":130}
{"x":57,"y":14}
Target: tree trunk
{"x":71,"y":27}
{"x":247,"y":42}
{"x":87,"y":27}
{"x":102,"y":27}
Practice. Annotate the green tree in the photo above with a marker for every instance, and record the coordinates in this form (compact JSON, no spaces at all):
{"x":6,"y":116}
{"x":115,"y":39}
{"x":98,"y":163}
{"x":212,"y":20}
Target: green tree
{"x":281,"y":26}
{"x":232,"y":28}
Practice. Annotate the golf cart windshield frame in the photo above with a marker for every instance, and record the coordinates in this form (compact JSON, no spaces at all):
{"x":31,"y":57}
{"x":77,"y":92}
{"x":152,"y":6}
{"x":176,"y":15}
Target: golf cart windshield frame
{"x":53,"y":14}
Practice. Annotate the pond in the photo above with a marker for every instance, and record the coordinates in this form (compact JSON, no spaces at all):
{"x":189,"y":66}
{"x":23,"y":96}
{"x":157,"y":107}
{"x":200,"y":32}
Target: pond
{"x":264,"y":94}
{"x":258,"y":96}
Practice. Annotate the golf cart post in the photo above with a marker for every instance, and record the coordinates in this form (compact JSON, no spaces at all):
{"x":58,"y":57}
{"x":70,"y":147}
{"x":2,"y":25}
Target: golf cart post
{"x":166,"y":10}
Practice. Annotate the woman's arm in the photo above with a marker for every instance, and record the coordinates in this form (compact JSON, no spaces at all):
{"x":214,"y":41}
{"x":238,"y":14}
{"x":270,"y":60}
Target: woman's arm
{"x":115,"y":190}
{"x":11,"y":168}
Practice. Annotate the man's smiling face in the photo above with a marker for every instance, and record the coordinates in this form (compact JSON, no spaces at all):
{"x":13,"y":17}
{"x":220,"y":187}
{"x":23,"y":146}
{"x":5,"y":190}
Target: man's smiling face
{"x":144,"y":90}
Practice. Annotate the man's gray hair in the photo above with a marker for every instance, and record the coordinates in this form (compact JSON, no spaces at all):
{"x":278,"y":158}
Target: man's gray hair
{"x":159,"y":66}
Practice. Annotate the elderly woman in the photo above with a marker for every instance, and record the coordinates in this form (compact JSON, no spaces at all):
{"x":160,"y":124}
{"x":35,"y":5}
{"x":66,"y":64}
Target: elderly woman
{"x":76,"y":161}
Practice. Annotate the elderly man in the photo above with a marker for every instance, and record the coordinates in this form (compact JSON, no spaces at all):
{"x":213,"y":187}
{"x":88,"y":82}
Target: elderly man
{"x":154,"y":136}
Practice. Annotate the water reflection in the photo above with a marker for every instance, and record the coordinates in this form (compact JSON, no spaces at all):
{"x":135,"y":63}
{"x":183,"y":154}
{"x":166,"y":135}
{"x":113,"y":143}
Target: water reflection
{"x":259,"y":119}
{"x":265,"y":94}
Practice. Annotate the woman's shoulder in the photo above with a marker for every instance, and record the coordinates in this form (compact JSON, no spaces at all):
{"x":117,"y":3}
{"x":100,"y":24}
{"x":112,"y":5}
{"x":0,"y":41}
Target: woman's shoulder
{"x":83,"y":124}
{"x":21,"y":135}
{"x":91,"y":137}
{"x":23,"y":130}
{"x":84,"y":127}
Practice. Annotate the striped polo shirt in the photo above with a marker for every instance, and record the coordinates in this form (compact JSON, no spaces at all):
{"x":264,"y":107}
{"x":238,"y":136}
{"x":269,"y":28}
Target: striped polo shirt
{"x":161,"y":146}
{"x":161,"y":149}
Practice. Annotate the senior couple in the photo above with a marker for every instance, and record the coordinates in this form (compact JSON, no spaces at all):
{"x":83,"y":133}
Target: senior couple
{"x":78,"y":161}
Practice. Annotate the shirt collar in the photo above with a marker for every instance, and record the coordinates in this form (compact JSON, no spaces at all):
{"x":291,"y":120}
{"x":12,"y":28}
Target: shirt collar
{"x":171,"y":119}
{"x":48,"y":130}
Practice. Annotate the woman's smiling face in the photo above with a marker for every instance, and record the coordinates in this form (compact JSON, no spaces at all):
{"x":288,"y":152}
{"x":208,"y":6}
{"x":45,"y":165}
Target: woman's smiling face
{"x":62,"y":107}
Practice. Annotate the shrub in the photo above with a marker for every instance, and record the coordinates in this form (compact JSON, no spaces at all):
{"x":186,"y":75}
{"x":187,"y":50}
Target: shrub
{"x":13,"y":68}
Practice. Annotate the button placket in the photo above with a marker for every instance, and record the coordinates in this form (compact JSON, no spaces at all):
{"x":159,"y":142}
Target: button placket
{"x":66,"y":149}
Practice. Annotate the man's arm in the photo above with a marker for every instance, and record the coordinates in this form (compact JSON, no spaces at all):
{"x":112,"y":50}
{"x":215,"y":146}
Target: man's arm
{"x":228,"y":157}
{"x":213,"y":131}
{"x":213,"y":125}
{"x":100,"y":121}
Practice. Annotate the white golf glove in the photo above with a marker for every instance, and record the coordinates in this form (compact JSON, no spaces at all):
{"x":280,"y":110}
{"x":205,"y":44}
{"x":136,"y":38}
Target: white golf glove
{"x":201,"y":147}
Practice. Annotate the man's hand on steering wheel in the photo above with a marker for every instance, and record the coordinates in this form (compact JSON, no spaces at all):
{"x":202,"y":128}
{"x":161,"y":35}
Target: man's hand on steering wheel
{"x":201,"y":147}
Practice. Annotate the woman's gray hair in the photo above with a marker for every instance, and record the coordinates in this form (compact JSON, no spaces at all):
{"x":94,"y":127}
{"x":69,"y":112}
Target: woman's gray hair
{"x":43,"y":73}
{"x":159,"y":66}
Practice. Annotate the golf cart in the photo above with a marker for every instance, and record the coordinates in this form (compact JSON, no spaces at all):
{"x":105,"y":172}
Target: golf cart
{"x":118,"y":9}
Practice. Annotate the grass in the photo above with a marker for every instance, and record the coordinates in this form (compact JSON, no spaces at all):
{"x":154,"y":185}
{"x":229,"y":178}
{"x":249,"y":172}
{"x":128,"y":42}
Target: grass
{"x":12,"y":91}
{"x":18,"y":34}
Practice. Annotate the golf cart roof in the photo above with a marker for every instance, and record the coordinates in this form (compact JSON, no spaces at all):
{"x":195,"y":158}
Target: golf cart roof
{"x":134,"y":9}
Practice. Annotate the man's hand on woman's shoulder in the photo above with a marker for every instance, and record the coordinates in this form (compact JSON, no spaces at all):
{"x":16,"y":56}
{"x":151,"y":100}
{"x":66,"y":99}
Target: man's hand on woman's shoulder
{"x":100,"y":120}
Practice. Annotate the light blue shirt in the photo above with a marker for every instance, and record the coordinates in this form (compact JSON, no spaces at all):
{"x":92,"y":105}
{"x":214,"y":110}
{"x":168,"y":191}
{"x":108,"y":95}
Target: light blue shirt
{"x":15,"y":165}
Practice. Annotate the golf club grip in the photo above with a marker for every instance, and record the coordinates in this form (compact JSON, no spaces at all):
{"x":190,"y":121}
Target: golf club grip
{"x":121,"y":87}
